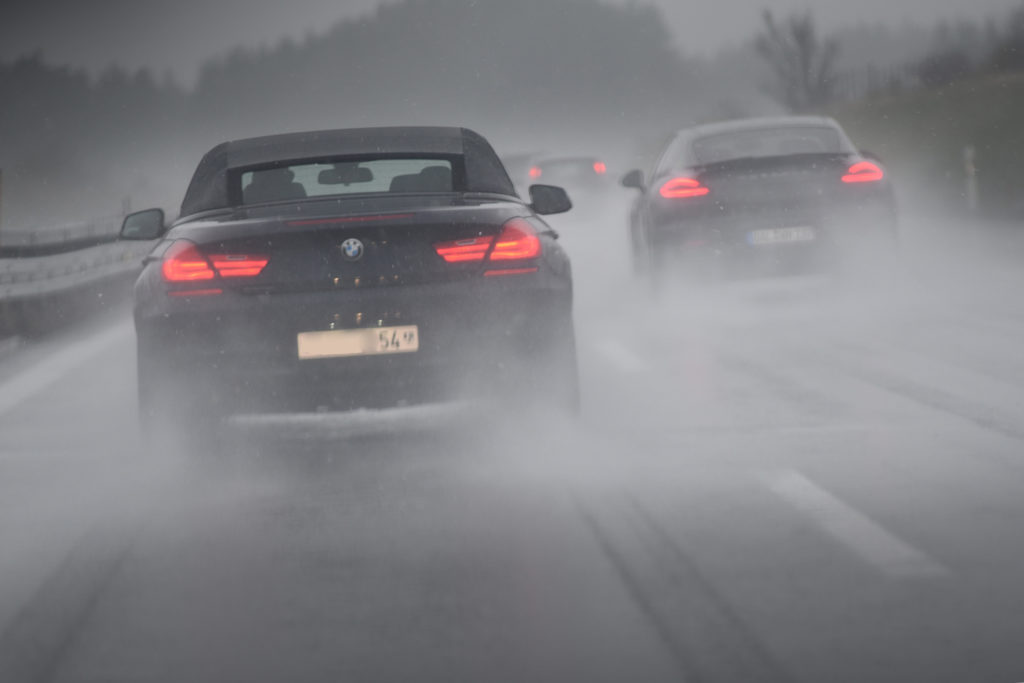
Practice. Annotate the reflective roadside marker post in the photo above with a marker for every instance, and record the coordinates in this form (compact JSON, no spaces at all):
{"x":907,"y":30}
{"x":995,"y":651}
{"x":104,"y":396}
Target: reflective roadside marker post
{"x":971,"y":178}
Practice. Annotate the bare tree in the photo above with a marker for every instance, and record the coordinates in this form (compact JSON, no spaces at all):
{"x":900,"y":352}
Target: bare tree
{"x":803,"y":62}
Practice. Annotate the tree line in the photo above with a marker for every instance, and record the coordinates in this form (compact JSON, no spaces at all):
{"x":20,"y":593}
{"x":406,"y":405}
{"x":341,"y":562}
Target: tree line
{"x":529,"y":75}
{"x":806,"y":72}
{"x":534,"y":75}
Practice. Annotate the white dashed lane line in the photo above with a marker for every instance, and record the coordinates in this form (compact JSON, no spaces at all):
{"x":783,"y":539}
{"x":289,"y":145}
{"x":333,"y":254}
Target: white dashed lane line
{"x":865,"y":538}
{"x":49,"y":370}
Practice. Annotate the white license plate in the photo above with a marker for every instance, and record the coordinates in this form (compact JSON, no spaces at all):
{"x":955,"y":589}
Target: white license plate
{"x":781,"y":235}
{"x":371,"y":341}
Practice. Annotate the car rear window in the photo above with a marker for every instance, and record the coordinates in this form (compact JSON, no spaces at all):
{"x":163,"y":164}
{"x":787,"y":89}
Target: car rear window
{"x":769,"y":142}
{"x":346,"y":176}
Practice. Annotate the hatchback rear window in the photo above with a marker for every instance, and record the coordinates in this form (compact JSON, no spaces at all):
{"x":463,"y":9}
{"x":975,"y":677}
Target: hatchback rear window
{"x":769,"y":142}
{"x":341,"y":177}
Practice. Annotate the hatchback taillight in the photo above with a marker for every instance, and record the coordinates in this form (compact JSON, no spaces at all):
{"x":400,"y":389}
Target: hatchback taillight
{"x":682,"y":188}
{"x":864,"y":172}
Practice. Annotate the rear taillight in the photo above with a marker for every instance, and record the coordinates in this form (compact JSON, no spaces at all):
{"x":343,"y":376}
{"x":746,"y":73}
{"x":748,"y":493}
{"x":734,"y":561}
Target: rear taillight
{"x":183,"y":262}
{"x":682,"y":188}
{"x":535,"y":172}
{"x":461,"y":251}
{"x":600,"y":168}
{"x":517,"y":241}
{"x":238,"y":265}
{"x":864,"y":172}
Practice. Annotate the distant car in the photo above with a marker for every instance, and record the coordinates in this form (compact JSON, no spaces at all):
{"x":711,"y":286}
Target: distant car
{"x":518,"y":167}
{"x":759,"y":195}
{"x":582,"y":176}
{"x":352,"y":268}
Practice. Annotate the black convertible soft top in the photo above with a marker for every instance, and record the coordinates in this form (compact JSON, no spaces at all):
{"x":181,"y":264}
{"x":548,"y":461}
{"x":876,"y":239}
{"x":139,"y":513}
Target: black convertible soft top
{"x":209,"y":187}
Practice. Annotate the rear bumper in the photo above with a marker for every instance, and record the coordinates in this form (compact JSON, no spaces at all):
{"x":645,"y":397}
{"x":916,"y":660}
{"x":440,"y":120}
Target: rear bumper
{"x":241,"y":350}
{"x":731,"y":236}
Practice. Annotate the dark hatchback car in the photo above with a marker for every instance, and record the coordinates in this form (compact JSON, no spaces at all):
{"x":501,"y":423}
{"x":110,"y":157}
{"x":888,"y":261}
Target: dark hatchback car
{"x":760,"y":196}
{"x":352,"y":268}
{"x":585,"y":174}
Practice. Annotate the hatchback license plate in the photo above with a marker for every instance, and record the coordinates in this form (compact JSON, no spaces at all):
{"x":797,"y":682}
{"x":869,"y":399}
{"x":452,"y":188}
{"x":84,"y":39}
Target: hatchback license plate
{"x":781,"y":235}
{"x":371,"y":341}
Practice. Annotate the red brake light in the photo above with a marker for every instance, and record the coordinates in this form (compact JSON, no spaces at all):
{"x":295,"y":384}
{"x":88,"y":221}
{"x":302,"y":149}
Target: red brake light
{"x":461,"y":251}
{"x":535,"y":172}
{"x":864,"y":172}
{"x":600,"y":168}
{"x":184,"y":263}
{"x":518,"y":241}
{"x":681,"y":188}
{"x":238,"y":265}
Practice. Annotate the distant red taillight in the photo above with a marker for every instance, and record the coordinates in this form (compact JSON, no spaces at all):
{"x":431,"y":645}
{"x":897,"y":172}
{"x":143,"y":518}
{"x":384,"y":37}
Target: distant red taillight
{"x":682,"y":188}
{"x":536,"y":172}
{"x":864,"y":172}
{"x":600,"y":168}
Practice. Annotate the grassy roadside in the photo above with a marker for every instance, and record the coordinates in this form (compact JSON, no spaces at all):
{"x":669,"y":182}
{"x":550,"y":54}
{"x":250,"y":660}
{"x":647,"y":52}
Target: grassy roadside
{"x":921,"y":136}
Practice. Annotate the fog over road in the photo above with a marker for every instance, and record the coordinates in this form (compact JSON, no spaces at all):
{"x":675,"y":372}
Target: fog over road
{"x":789,"y":479}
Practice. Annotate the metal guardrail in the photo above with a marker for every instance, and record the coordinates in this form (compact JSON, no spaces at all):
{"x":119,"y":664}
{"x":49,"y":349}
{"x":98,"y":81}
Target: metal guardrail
{"x":27,"y":277}
{"x":48,"y":290}
{"x":99,"y":228}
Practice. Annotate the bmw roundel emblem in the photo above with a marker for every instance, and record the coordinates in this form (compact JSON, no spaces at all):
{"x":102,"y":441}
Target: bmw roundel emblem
{"x":352,"y":249}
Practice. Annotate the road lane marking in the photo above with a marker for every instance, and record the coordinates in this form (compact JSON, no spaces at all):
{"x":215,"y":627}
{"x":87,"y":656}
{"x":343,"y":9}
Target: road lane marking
{"x":869,"y":541}
{"x":49,"y":370}
{"x":620,"y":356}
{"x":40,"y":634}
{"x":706,"y":636}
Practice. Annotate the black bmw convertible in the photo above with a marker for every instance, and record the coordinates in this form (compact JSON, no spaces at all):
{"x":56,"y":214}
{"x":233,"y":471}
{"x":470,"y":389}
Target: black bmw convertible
{"x":341,"y":269}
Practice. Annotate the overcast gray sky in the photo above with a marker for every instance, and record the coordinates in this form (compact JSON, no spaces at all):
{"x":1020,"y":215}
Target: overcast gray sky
{"x":178,"y":36}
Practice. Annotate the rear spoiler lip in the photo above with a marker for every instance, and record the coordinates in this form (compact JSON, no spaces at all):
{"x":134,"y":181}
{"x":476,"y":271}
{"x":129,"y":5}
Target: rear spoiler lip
{"x":338,"y":220}
{"x":768,"y":161}
{"x":229,"y":213}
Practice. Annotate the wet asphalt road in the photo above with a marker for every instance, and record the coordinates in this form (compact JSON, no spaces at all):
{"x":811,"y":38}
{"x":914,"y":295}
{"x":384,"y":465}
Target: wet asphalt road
{"x":798,"y":479}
